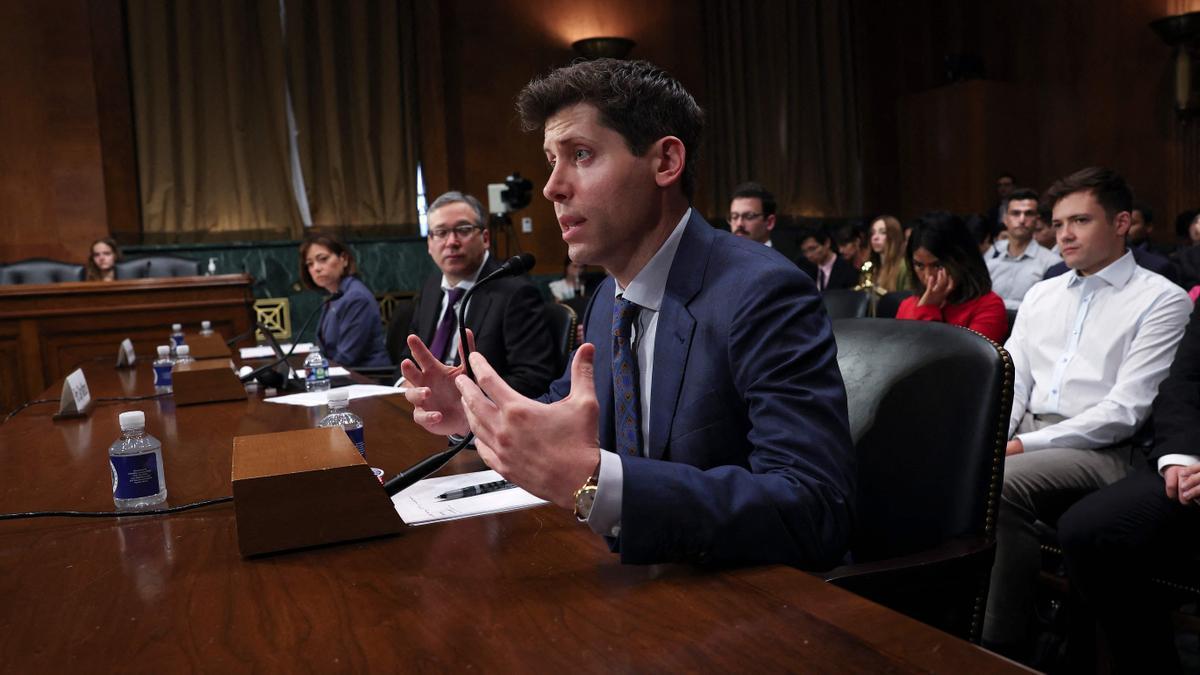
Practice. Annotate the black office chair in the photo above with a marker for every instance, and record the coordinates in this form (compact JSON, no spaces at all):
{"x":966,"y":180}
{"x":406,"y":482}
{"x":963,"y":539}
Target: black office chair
{"x":398,"y":325}
{"x":138,"y":268}
{"x":887,"y":305}
{"x":929,"y":406}
{"x":171,"y":266}
{"x":40,"y":271}
{"x":1012,"y":321}
{"x":562,"y":321}
{"x":843,"y":303}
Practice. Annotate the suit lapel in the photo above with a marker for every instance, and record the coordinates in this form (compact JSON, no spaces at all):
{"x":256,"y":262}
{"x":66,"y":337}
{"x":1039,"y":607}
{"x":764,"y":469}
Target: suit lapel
{"x":599,"y":333}
{"x":673,"y":335}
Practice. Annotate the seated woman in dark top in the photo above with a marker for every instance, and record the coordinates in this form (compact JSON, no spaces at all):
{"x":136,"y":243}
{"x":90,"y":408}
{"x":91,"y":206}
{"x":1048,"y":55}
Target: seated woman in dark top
{"x":103,"y":259}
{"x":350,"y":329}
{"x":952,"y":282}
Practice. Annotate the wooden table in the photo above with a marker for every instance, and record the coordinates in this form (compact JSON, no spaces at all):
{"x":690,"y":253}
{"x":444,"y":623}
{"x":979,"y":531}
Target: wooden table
{"x":48,"y":329}
{"x":529,"y":590}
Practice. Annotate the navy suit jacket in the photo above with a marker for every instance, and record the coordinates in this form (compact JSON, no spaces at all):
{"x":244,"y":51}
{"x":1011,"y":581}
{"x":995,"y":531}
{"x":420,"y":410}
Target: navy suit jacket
{"x":350,"y":329}
{"x":749,"y":451}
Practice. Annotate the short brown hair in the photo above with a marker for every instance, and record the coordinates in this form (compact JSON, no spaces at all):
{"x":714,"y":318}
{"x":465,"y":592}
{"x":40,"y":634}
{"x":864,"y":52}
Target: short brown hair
{"x":1109,"y":188}
{"x":334,"y":245}
{"x":638,"y":100}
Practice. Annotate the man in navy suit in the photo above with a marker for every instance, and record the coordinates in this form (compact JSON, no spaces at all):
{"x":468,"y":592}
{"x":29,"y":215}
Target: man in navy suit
{"x":705,"y":418}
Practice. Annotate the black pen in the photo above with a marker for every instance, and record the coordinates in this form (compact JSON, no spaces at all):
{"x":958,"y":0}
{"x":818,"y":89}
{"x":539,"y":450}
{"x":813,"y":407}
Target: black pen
{"x":476,"y":490}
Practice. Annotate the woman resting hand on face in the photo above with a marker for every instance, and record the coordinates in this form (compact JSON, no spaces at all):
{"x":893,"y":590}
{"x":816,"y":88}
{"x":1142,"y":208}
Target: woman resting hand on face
{"x":952,"y":282}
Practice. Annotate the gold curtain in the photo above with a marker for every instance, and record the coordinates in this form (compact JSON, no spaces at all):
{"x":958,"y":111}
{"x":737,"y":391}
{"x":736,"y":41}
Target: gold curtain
{"x":352,"y":68}
{"x":783,"y":109}
{"x":210,"y":119}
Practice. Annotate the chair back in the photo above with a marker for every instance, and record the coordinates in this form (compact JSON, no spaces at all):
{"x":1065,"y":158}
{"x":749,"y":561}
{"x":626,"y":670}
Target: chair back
{"x":171,"y":266}
{"x":561,"y":320}
{"x":889,"y":304}
{"x":40,"y":271}
{"x":138,"y":268}
{"x":843,"y":303}
{"x":402,"y":309}
{"x":929,"y":406}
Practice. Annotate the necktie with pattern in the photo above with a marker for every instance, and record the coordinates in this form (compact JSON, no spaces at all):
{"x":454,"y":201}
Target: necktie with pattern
{"x":627,"y":412}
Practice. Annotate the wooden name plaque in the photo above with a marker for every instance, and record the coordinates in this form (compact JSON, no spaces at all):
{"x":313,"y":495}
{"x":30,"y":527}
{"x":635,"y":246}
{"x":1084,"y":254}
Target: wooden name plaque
{"x":295,"y":489}
{"x":205,"y":382}
{"x":207,"y":346}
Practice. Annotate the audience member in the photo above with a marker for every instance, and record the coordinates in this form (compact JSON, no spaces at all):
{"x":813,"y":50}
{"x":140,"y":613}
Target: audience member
{"x":102,"y":262}
{"x":1115,"y":539}
{"x":952,"y":283}
{"x":1187,"y":257}
{"x":1019,"y":262}
{"x":822,"y":264}
{"x":887,"y":245}
{"x":1043,"y":231}
{"x":350,"y":330}
{"x":851,"y":240}
{"x":715,"y":395}
{"x":1089,"y":349}
{"x":982,"y":232}
{"x":1005,"y":182}
{"x":571,"y":286}
{"x":752,"y":212}
{"x":507,"y":315}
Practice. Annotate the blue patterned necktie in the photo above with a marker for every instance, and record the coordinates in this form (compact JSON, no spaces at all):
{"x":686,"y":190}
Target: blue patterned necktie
{"x":628,"y":410}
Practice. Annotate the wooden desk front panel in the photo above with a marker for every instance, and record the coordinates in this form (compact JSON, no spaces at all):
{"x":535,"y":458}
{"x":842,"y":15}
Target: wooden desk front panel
{"x":525,"y":591}
{"x":47,"y":330}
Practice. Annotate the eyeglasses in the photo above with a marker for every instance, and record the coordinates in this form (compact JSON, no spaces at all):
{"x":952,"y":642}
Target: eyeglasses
{"x":462,"y":231}
{"x":749,"y":215}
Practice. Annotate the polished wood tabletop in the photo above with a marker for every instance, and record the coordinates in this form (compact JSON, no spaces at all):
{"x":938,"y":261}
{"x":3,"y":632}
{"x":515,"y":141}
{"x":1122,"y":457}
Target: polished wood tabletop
{"x":530,"y":590}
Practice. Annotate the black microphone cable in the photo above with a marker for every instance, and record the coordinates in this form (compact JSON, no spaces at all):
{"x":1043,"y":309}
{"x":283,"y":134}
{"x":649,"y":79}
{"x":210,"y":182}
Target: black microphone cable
{"x":514,"y":266}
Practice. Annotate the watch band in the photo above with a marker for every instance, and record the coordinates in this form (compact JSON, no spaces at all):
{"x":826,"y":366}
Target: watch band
{"x":585,"y":497}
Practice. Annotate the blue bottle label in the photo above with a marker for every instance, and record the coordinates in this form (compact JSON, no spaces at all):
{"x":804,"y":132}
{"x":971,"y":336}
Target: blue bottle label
{"x":162,"y":375}
{"x":177,"y":338}
{"x":134,"y":476}
{"x":356,"y":437}
{"x":317,"y":373}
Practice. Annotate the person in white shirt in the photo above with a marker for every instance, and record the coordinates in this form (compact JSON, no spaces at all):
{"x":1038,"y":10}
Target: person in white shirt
{"x":1018,"y":262}
{"x":1089,"y":349}
{"x":571,"y":285}
{"x":752,"y":212}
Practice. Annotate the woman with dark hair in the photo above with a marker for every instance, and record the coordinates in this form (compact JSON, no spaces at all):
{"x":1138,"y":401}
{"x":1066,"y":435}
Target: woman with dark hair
{"x":350,"y":329}
{"x":103,"y":259}
{"x":952,"y":282}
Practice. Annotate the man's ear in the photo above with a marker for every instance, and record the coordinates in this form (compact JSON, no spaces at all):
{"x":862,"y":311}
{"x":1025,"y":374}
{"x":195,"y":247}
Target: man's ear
{"x":670,"y":157}
{"x":1122,"y":221}
{"x":770,"y":222}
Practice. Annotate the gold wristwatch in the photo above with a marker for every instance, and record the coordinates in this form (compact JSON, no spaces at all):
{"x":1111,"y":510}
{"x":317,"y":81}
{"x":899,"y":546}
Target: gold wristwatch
{"x":585,"y":497}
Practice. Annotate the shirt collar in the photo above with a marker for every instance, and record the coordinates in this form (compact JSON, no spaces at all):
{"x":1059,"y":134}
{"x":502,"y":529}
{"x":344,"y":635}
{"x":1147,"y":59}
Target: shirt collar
{"x":466,"y":284}
{"x":648,"y":286}
{"x":1117,"y":274}
{"x":1030,"y":250}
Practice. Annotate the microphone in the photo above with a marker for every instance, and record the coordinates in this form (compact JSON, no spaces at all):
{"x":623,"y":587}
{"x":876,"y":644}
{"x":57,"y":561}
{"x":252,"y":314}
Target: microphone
{"x":514,"y":266}
{"x":274,"y":378}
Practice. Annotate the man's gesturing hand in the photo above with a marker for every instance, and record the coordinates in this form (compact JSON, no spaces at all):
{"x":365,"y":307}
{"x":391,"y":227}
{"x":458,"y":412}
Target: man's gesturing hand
{"x":436,"y":402}
{"x":548,"y":449}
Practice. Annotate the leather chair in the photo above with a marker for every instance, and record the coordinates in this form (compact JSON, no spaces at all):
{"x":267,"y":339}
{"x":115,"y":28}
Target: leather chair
{"x":562,"y":321}
{"x":887,"y":306}
{"x":171,"y":266}
{"x":929,"y":406}
{"x":138,"y":268}
{"x":40,"y":271}
{"x":843,"y":303}
{"x":399,"y":322}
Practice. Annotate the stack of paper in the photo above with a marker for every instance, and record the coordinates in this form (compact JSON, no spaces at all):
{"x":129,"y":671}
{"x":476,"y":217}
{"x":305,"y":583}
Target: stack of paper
{"x":419,"y":505}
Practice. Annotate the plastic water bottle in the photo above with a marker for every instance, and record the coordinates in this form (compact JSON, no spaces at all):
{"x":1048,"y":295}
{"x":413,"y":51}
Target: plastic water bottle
{"x":162,"y":370}
{"x":176,"y":337}
{"x":183,"y":354}
{"x":137,"y":466}
{"x":316,"y":371}
{"x":206,"y":328}
{"x":340,"y":416}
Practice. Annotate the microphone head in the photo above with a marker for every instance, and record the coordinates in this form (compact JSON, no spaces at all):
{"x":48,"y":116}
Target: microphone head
{"x":520,"y":264}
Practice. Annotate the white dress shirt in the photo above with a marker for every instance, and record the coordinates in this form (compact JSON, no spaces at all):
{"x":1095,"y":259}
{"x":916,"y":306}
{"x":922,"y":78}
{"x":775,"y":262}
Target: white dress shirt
{"x":1094,"y":349}
{"x":1013,"y":276}
{"x":465,"y":284}
{"x":645,"y":290}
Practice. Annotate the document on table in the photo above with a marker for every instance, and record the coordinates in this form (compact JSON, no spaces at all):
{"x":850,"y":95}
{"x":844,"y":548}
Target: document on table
{"x":265,"y":351}
{"x":312,"y":399}
{"x":418,"y":505}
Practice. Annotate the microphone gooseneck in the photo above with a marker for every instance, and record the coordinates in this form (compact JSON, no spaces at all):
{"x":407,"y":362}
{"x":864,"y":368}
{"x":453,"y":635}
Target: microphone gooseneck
{"x":514,"y":266}
{"x":277,"y":380}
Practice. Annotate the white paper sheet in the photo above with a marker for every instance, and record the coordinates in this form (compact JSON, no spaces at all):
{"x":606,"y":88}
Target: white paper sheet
{"x":418,"y":505}
{"x":312,"y":399}
{"x":265,"y":351}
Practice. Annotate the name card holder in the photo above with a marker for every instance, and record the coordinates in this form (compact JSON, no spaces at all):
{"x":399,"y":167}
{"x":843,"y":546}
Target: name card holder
{"x":309,"y":487}
{"x":207,"y":346}
{"x":206,"y":382}
{"x":125,"y":354}
{"x":76,"y":400}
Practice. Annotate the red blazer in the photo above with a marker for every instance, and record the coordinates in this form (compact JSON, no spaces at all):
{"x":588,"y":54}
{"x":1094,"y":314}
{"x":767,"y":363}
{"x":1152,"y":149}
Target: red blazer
{"x":984,"y":314}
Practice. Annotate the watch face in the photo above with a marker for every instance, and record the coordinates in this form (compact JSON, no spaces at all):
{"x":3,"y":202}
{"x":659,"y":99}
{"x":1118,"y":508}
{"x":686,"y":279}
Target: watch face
{"x":583,"y":503}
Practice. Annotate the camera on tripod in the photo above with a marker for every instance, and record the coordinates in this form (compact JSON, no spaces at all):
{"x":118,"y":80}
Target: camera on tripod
{"x":513,"y":194}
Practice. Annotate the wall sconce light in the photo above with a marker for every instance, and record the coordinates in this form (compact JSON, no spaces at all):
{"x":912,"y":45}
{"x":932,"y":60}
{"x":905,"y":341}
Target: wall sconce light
{"x":1183,"y":33}
{"x":603,"y":47}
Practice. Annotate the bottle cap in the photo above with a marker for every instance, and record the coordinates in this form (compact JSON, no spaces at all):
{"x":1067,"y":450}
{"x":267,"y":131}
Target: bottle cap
{"x":176,"y":327}
{"x":134,"y":419}
{"x":206,"y":325}
{"x":164,"y":351}
{"x":183,"y":350}
{"x":340,"y":395}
